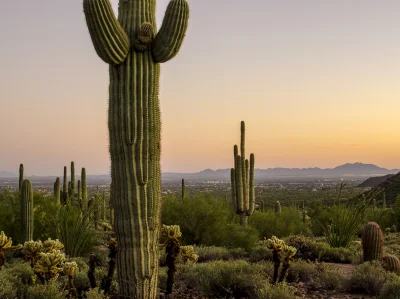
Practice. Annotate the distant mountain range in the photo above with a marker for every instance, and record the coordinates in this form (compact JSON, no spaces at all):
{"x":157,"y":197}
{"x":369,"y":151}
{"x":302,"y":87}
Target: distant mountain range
{"x":348,"y":169}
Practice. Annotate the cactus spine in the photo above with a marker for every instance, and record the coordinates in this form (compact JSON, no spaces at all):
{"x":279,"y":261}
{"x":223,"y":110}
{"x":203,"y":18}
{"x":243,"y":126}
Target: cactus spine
{"x":57,"y":191}
{"x":183,"y":189}
{"x":372,"y":242}
{"x":84,"y":189}
{"x":27,"y":210}
{"x":133,"y":49}
{"x":391,"y":263}
{"x":72,"y":178}
{"x":243,"y":199}
{"x":21,"y":176}
{"x":278,"y":209}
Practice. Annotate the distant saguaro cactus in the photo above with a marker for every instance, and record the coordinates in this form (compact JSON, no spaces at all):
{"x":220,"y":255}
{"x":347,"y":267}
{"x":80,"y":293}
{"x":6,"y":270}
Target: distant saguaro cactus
{"x":21,"y":176}
{"x":84,"y":189}
{"x":372,"y":242}
{"x":73,"y":191}
{"x":27,"y":210}
{"x":278,"y":209}
{"x":65,"y":187}
{"x":57,"y":191}
{"x":242,"y":182}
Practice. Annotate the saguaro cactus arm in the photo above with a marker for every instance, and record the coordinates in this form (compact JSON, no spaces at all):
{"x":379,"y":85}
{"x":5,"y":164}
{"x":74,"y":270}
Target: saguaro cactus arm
{"x":173,"y":29}
{"x":109,"y":38}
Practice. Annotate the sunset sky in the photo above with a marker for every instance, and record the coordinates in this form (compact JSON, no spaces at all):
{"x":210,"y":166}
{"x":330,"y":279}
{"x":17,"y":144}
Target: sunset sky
{"x":317,"y":83}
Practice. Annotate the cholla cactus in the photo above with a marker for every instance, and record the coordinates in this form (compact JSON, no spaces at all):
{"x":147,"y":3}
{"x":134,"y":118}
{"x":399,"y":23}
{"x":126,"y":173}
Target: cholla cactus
{"x":188,"y":254}
{"x":31,"y":250}
{"x":5,"y":245}
{"x":70,"y":268}
{"x":276,"y":246}
{"x":52,"y":245}
{"x":49,"y":265}
{"x":169,"y":232}
{"x":169,"y":239}
{"x":280,"y":253}
{"x":287,"y":257}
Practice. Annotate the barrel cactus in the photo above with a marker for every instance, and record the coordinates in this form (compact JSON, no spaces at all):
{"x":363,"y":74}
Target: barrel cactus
{"x":242,"y":182}
{"x":372,"y":242}
{"x":134,"y":50}
{"x":391,"y":263}
{"x":27,"y":210}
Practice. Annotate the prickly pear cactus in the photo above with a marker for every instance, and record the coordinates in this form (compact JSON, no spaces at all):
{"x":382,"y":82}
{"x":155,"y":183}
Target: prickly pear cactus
{"x":134,"y":50}
{"x":27,"y":210}
{"x":391,"y":263}
{"x":242,"y":181}
{"x":372,"y":242}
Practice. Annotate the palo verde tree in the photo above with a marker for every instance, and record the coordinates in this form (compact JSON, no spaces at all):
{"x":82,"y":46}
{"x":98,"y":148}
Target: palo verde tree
{"x":134,"y":50}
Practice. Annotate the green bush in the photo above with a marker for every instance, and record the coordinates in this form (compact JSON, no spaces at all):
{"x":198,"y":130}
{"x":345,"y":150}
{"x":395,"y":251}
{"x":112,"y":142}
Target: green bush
{"x":278,"y":291}
{"x":269,"y":224}
{"x":260,"y":253}
{"x":207,"y":220}
{"x":222,"y":279}
{"x":330,"y":277}
{"x":369,"y":278}
{"x":301,"y":271}
{"x":51,"y":290}
{"x":7,"y":288}
{"x":212,"y":253}
{"x":390,"y":290}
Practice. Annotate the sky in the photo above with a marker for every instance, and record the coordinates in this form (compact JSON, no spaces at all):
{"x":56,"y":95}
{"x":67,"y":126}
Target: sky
{"x":317,"y":83}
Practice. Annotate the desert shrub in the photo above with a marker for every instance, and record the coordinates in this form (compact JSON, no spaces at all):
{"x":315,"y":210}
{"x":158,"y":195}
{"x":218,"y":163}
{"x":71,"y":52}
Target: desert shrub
{"x":260,"y":253}
{"x":162,"y":278}
{"x":212,"y":253}
{"x":307,"y":248}
{"x":238,"y":253}
{"x":269,"y":224}
{"x":330,"y":277}
{"x":369,"y":278}
{"x":278,"y":291}
{"x":222,"y":279}
{"x":50,"y":290}
{"x":95,"y":293}
{"x":338,"y":255}
{"x":384,"y":217}
{"x":241,"y":237}
{"x":390,"y":290}
{"x":7,"y":288}
{"x":301,"y":271}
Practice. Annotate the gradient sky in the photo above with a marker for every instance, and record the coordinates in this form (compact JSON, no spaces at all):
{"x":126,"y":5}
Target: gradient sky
{"x":317,"y":82}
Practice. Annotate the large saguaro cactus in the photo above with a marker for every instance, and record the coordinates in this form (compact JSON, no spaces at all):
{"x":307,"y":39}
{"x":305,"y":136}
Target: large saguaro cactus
{"x":133,"y":49}
{"x":73,"y":179}
{"x":242,"y":182}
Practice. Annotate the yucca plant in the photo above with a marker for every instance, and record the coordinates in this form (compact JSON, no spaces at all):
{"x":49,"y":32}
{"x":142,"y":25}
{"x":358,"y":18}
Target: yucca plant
{"x":346,"y":219}
{"x":73,"y":228}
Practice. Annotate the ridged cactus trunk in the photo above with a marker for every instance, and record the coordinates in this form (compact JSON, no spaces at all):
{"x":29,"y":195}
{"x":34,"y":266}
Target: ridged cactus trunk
{"x":277,"y":208}
{"x":65,"y":187}
{"x":133,"y":49}
{"x":84,"y":189}
{"x":27,"y":210}
{"x":242,"y":182}
{"x":73,"y":178}
{"x":57,"y":191}
{"x":372,"y":242}
{"x":21,"y":176}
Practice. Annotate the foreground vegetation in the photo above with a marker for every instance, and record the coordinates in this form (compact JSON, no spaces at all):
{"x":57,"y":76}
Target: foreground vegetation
{"x":232,"y":261}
